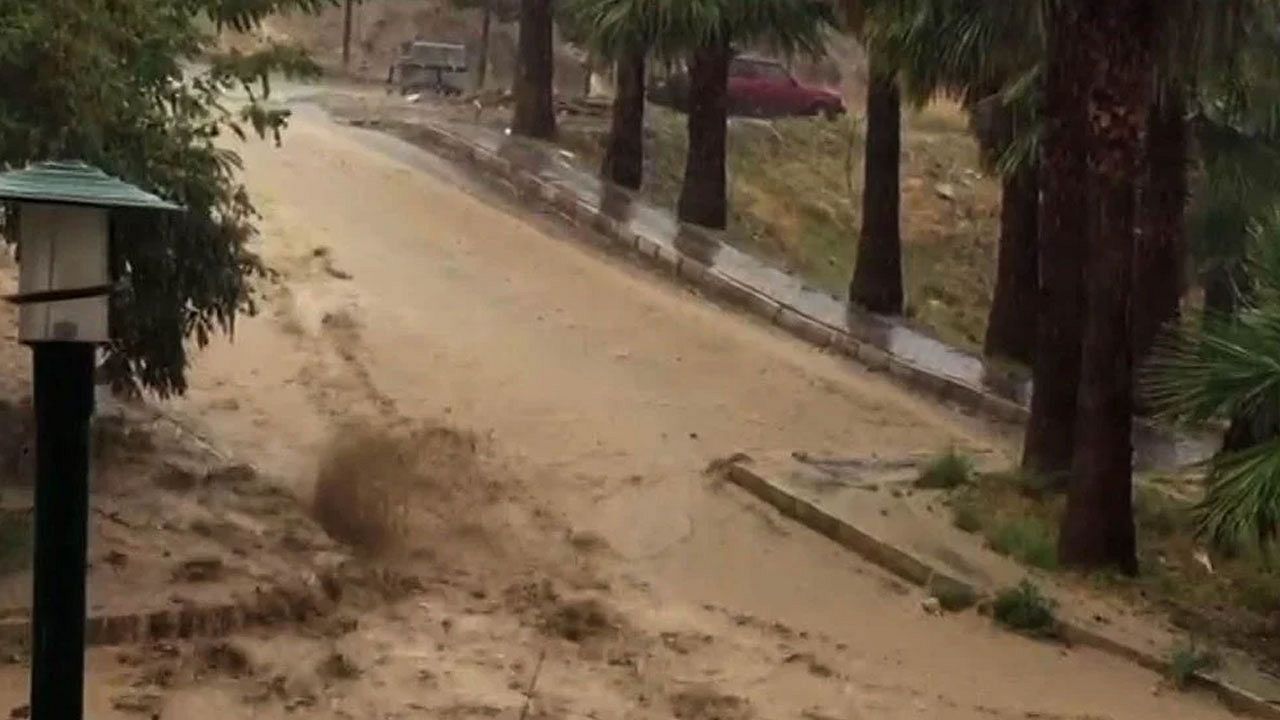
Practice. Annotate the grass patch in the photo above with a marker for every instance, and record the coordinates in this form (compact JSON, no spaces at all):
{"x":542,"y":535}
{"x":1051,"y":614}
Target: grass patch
{"x":1186,"y":661}
{"x":947,"y":471}
{"x":1025,"y":609}
{"x":795,"y":198}
{"x":1028,"y":540}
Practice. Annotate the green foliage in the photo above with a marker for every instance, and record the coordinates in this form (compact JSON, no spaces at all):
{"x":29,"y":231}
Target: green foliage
{"x":1026,"y":610}
{"x":955,"y":597}
{"x":1028,"y":540}
{"x":138,"y":88}
{"x":1226,"y":368}
{"x":1186,"y":661}
{"x":673,"y":29}
{"x":947,"y":471}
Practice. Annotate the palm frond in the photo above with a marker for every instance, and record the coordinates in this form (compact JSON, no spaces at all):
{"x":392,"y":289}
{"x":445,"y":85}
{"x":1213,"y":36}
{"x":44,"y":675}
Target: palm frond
{"x":1242,"y":503}
{"x":673,"y":28}
{"x":1228,"y":367}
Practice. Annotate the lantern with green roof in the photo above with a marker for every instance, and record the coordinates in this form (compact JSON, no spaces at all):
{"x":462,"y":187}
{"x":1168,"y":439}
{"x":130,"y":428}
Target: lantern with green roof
{"x":62,"y":229}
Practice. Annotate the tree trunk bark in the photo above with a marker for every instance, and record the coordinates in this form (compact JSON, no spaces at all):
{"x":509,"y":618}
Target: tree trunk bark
{"x":624,"y":158}
{"x":1011,"y":327}
{"x":1097,"y":529}
{"x":1221,"y":291}
{"x":486,"y":28}
{"x":1158,"y":272}
{"x":877,"y":276}
{"x":1050,"y":435}
{"x":535,"y":114}
{"x":346,"y":34}
{"x":703,"y":197}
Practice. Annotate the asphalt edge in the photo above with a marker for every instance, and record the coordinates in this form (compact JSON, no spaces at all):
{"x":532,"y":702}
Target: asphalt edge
{"x":915,"y":570}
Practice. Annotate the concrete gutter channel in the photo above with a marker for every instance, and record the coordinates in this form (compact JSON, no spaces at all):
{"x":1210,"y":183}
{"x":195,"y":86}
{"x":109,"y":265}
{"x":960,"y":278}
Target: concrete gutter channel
{"x":502,"y":163}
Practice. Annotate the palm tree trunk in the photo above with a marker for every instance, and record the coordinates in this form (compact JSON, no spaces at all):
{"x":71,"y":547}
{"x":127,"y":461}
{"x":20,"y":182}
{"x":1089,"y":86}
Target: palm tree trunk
{"x":877,"y":277}
{"x":1162,"y":244}
{"x":703,"y":199}
{"x":1011,"y":326}
{"x":1097,"y":529}
{"x":535,"y":114}
{"x":486,"y":30}
{"x":1050,"y":434}
{"x":624,"y":158}
{"x":346,"y":34}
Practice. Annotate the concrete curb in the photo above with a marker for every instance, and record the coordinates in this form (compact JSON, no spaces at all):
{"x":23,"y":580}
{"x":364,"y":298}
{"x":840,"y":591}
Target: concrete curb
{"x":315,"y":597}
{"x":561,"y":199}
{"x":270,"y":606}
{"x":915,"y":570}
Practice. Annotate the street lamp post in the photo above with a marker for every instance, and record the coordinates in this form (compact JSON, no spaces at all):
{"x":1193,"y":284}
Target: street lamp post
{"x":60,"y":216}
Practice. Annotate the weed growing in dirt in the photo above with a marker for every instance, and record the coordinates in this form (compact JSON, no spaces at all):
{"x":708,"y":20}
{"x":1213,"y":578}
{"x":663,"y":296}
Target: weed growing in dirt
{"x":1186,"y":661}
{"x":955,"y":598}
{"x":965,"y":515}
{"x":1028,"y":540}
{"x":1025,"y":609}
{"x":15,"y":541}
{"x":947,"y":471}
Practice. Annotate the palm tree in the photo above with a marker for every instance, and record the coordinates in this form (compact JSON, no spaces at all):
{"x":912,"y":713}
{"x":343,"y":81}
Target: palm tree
{"x":703,"y":31}
{"x":1160,"y":255}
{"x":978,"y":52}
{"x":623,"y":31}
{"x":877,"y":275}
{"x":1117,"y":38}
{"x":708,"y":30}
{"x":535,"y":114}
{"x":1226,"y":368}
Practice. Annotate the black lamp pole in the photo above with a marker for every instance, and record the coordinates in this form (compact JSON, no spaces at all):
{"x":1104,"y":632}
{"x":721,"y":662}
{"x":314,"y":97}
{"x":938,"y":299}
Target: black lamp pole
{"x":63,"y":407}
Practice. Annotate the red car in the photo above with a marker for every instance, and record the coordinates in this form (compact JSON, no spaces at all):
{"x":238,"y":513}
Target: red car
{"x":758,"y":87}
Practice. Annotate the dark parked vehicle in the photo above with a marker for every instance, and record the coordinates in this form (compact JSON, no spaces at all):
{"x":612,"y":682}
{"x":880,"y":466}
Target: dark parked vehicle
{"x":758,"y":87}
{"x":429,"y":66}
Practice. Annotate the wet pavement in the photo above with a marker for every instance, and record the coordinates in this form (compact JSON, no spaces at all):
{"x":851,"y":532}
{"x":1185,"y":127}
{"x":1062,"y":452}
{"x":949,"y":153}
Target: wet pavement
{"x":1156,"y":448}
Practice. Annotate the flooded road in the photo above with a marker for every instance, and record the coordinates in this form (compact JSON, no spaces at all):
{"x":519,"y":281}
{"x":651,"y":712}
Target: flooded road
{"x":407,"y":291}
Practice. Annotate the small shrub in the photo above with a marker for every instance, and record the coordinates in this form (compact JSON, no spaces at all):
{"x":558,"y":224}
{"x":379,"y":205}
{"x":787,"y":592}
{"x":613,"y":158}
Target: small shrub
{"x":955,"y":598}
{"x":1028,"y":540}
{"x":1186,"y":661}
{"x":965,"y":515}
{"x":1025,"y":609}
{"x":947,"y":471}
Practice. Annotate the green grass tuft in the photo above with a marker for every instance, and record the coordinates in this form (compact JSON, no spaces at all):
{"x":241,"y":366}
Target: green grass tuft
{"x":954,"y":597}
{"x":1187,"y":661}
{"x":1028,"y":540}
{"x":965,"y":516}
{"x":947,"y":471}
{"x":1026,"y":610}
